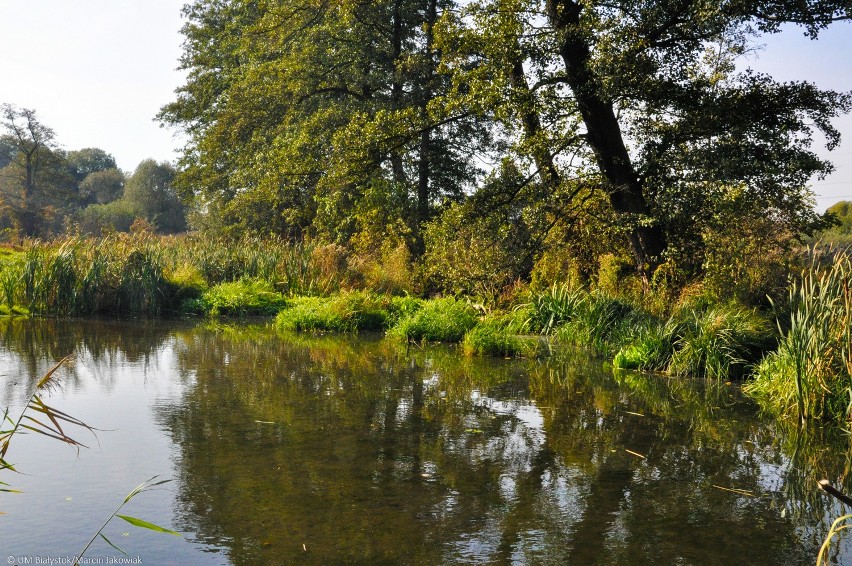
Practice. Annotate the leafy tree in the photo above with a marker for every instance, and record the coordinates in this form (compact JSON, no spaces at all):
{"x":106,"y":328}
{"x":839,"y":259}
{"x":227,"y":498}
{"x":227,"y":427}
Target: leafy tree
{"x":642,"y":101}
{"x":838,"y":224}
{"x":299,"y":112}
{"x":115,"y":216}
{"x":35,"y":184}
{"x":84,"y":162}
{"x":150,"y":194}
{"x":101,"y":187}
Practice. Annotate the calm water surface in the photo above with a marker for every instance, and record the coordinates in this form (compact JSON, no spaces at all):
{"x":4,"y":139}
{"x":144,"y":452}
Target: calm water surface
{"x":285,"y":449}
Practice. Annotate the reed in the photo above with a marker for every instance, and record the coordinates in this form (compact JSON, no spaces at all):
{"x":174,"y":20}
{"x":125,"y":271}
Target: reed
{"x":809,"y":376}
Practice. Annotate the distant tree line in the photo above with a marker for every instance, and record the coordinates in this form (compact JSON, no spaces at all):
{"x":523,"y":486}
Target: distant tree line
{"x":46,"y":191}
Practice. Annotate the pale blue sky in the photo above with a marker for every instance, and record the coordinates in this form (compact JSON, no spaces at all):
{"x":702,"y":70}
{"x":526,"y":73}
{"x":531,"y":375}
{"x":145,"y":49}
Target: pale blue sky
{"x":97,"y":71}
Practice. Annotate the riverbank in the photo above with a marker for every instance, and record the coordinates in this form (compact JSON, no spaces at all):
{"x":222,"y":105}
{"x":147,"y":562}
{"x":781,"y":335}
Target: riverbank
{"x":308,"y":289}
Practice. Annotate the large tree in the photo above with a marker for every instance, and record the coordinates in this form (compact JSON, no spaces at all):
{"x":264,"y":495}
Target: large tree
{"x":642,"y":101}
{"x":318,"y":115}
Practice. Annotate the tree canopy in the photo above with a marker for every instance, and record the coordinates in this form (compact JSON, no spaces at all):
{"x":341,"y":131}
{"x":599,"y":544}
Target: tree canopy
{"x":356,"y":121}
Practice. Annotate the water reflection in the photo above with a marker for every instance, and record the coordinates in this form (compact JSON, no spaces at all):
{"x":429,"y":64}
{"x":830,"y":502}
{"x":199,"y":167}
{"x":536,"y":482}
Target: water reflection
{"x":341,"y":449}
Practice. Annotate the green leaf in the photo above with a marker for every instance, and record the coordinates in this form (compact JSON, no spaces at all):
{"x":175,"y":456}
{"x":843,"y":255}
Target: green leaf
{"x":109,"y":542}
{"x":146,"y":525}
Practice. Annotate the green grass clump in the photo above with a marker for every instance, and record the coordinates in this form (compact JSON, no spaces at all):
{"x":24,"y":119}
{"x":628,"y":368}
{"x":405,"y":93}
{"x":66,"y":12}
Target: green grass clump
{"x":344,"y":312}
{"x":555,"y":306}
{"x":492,"y":338}
{"x":438,"y":320}
{"x":810,"y":374}
{"x":719,"y":342}
{"x":651,"y":351}
{"x":238,"y":298}
{"x":602,"y":323}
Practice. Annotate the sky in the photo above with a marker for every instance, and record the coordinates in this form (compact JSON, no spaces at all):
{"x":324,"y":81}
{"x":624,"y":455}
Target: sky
{"x":98,"y":71}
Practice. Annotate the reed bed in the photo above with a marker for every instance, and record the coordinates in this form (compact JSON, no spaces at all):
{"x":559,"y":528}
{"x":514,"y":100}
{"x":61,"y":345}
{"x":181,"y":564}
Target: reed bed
{"x":809,"y":376}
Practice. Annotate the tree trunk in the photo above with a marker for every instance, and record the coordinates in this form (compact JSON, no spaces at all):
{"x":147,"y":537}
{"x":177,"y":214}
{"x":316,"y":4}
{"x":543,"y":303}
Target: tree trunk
{"x":604,"y":135}
{"x":531,"y":124}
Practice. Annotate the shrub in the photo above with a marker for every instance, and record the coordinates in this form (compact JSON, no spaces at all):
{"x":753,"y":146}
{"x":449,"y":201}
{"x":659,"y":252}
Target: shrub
{"x":439,"y":320}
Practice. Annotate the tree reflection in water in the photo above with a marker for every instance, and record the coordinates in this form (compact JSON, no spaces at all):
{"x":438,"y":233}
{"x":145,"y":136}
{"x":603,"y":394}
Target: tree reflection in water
{"x":335,"y":449}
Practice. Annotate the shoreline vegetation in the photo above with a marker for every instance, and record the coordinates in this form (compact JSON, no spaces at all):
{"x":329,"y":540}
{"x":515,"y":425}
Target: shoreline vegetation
{"x":795,"y":357}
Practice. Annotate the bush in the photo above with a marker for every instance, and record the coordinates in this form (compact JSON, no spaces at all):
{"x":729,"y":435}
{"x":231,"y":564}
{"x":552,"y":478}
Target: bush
{"x":439,"y":320}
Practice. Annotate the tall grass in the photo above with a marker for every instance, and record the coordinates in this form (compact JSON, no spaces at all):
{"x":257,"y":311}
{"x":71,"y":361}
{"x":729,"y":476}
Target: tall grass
{"x":717,"y":342}
{"x":439,"y":320}
{"x":345,"y":312}
{"x":556,"y":305}
{"x":810,"y":374}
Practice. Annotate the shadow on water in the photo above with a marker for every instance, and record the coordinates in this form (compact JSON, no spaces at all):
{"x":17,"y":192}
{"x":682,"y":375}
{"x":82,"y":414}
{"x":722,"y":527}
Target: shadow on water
{"x":353,"y":450}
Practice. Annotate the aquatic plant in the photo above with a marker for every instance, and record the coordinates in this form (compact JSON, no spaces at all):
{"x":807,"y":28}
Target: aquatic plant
{"x":40,"y":418}
{"x":492,"y":337}
{"x":718,"y":342}
{"x":245,"y":297}
{"x":345,"y":312}
{"x":439,"y":320}
{"x":810,"y":374}
{"x":552,"y":307}
{"x":601,"y":323}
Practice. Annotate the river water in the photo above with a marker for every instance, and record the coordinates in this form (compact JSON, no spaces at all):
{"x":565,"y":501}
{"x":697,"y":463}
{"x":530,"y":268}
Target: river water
{"x":324,"y":450}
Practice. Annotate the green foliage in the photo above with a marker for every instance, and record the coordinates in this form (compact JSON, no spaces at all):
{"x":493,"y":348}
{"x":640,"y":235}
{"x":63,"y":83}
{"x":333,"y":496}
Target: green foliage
{"x":601,"y":323}
{"x":719,"y":342}
{"x":101,"y":187}
{"x":492,"y":337}
{"x":345,"y":312}
{"x":439,"y":320}
{"x":97,"y":219}
{"x":548,"y":309}
{"x":715,"y":341}
{"x":810,"y":374}
{"x":150,"y":194}
{"x":651,"y":350}
{"x":467,"y":253}
{"x":244,"y":297}
{"x":839,"y":219}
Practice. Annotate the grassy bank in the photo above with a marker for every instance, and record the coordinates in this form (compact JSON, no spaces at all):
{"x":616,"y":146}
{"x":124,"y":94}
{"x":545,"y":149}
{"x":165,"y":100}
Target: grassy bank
{"x":801,"y":362}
